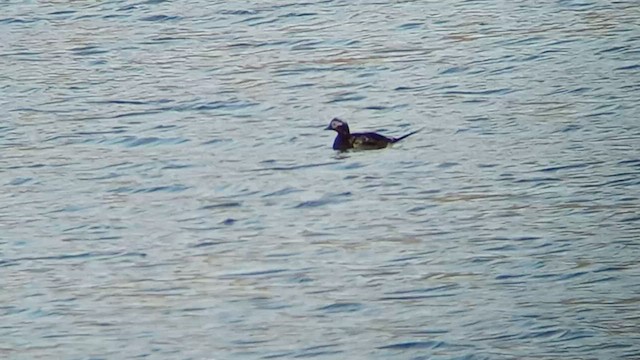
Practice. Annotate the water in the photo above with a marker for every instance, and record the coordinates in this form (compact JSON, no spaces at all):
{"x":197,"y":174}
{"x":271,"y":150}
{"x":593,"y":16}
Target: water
{"x":168,"y":191}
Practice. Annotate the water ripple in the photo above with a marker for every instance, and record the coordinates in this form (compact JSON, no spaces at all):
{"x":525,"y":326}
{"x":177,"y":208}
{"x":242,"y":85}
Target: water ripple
{"x":169,"y":191}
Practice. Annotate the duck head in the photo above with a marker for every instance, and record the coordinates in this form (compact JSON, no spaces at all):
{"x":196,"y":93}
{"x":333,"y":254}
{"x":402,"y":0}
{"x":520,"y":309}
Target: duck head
{"x":339,"y":126}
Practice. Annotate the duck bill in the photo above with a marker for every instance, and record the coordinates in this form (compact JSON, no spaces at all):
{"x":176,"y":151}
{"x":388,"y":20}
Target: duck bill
{"x":328,"y":128}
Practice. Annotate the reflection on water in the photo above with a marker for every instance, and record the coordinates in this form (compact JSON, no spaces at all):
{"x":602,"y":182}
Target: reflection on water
{"x":168,"y":190}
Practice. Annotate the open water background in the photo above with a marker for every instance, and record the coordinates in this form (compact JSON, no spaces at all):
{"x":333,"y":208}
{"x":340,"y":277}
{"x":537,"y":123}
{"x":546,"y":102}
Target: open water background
{"x":167,"y":191}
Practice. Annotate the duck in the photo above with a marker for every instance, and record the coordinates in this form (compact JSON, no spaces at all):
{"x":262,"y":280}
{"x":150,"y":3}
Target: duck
{"x":346,"y":140}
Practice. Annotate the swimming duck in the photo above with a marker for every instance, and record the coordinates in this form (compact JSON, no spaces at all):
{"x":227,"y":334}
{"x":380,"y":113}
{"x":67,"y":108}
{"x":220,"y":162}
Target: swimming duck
{"x":345,"y":140}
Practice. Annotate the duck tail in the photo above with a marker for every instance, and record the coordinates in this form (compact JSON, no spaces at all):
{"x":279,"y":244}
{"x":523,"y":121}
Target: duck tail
{"x":395,"y":140}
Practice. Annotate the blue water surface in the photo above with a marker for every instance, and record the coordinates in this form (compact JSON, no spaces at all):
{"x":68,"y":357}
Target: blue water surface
{"x":168,"y":192}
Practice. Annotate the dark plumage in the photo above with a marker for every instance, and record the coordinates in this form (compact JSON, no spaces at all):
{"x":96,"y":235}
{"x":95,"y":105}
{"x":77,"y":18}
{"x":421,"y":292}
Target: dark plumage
{"x":345,"y":140}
